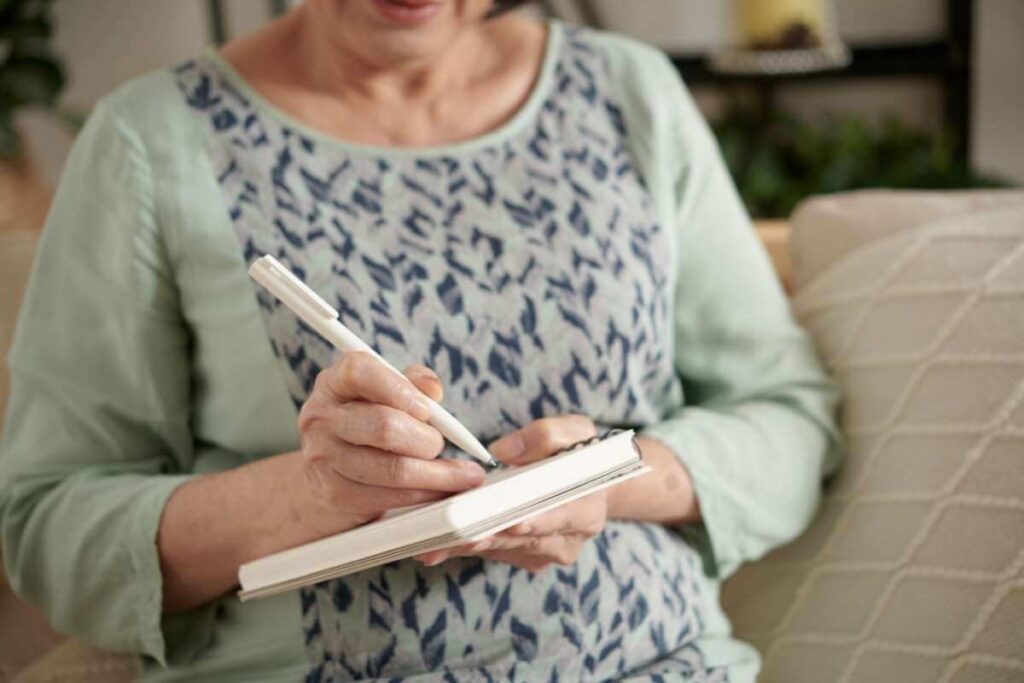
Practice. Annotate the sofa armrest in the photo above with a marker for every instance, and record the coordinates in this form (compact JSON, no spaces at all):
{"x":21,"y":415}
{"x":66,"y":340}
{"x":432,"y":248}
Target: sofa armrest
{"x":775,"y":234}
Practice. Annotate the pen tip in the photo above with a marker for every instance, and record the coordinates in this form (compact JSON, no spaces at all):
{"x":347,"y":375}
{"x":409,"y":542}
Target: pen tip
{"x":484,"y":456}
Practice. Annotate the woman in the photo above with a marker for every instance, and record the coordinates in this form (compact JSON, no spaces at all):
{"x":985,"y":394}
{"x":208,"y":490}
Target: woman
{"x":536,"y":213}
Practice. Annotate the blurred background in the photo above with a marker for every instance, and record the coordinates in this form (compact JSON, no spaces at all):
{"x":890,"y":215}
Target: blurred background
{"x":806,"y":97}
{"x":845,"y":94}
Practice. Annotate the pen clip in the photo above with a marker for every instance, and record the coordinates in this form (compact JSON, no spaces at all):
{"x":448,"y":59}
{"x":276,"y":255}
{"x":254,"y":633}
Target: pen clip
{"x":269,"y":272}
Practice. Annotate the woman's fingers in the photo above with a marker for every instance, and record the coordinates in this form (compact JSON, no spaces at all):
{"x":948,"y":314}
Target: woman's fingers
{"x":531,"y":552}
{"x":541,"y":438}
{"x":375,"y":467}
{"x":379,"y":498}
{"x":433,"y":557}
{"x":557,"y":521}
{"x":438,"y":556}
{"x":530,"y":563}
{"x":386,"y":428}
{"x":426,"y":380}
{"x":360,"y":376}
{"x":555,"y":548}
{"x":366,"y":441}
{"x":567,"y":526}
{"x":585,"y":517}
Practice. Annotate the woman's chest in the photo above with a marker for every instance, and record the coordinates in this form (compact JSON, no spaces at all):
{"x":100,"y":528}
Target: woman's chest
{"x":530,"y":272}
{"x":533,"y":285}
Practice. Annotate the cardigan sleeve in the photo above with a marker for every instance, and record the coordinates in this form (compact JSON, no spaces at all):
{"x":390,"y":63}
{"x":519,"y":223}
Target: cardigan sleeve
{"x":757,"y":431}
{"x":97,"y":432}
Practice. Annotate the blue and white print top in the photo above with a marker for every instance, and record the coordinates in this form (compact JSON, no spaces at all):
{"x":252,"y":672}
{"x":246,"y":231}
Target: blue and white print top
{"x":529,"y":271}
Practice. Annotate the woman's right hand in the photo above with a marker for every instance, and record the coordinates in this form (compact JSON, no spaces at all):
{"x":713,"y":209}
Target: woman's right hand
{"x":366,"y":446}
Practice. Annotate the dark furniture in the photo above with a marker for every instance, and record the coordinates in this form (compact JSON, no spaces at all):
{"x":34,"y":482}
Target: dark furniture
{"x":945,"y":60}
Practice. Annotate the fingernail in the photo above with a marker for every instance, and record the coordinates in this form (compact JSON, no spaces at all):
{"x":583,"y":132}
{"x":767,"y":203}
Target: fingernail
{"x":509,"y":448}
{"x":471,"y":472}
{"x":521,"y":529}
{"x":437,"y":387}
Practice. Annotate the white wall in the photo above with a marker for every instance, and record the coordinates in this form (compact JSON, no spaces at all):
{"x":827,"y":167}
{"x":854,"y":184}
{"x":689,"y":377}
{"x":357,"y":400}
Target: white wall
{"x":106,"y":41}
{"x":999,"y":89}
{"x":701,"y":24}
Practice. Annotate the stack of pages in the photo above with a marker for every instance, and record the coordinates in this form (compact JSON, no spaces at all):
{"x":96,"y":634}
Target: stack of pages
{"x":506,"y":497}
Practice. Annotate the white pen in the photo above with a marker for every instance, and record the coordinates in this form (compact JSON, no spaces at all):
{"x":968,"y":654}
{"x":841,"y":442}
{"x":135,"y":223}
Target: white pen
{"x":316,"y":313}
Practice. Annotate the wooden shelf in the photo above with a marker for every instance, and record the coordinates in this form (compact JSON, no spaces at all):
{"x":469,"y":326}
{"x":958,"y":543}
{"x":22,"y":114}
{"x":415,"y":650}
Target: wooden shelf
{"x":946,"y":60}
{"x":930,"y":59}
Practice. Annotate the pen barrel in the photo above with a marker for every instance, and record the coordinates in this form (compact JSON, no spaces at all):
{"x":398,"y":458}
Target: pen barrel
{"x":319,"y":315}
{"x":344,"y":339}
{"x":456,"y":432}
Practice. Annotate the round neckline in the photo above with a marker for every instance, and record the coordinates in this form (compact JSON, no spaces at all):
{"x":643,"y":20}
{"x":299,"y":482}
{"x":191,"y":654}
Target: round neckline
{"x":522,"y":115}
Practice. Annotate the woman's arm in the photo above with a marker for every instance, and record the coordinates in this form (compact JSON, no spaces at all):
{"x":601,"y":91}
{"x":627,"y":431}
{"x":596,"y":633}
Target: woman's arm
{"x":97,"y":430}
{"x":215,"y":523}
{"x":103,"y":524}
{"x":365,"y":448}
{"x":745,"y":453}
{"x":757,"y":431}
{"x":664,"y":496}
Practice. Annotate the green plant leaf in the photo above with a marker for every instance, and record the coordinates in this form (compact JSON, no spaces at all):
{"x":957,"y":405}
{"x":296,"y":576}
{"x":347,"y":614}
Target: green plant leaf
{"x":778,"y":160}
{"x":8,"y":9}
{"x":73,"y":118}
{"x":28,"y":80}
{"x":30,"y":28}
{"x":10,"y":141}
{"x":14,"y":10}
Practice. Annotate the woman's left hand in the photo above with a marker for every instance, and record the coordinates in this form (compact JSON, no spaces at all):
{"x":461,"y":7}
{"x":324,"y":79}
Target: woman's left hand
{"x":557,"y":536}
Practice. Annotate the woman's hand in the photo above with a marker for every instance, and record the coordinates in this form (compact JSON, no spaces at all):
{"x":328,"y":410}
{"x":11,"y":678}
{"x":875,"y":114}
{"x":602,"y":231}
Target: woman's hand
{"x":366,"y":447}
{"x":665,"y":496}
{"x":557,"y":536}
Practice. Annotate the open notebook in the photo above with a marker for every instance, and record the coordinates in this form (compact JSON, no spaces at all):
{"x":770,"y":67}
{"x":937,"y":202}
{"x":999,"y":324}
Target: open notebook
{"x":506,"y":497}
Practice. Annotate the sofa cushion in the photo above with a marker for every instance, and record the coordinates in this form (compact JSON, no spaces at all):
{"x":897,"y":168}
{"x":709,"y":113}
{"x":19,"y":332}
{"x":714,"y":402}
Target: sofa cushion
{"x":914,"y":568}
{"x":831,"y":226}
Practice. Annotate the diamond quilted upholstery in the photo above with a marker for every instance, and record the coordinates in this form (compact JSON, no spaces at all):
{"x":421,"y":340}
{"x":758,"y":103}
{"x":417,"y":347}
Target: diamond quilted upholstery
{"x":914,"y":569}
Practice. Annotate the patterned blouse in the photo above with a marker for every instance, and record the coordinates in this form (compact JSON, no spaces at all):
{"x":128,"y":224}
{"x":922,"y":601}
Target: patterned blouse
{"x":537,"y":270}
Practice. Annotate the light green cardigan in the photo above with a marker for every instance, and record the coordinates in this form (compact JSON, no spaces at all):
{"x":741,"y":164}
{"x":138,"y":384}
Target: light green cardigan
{"x":141,"y":360}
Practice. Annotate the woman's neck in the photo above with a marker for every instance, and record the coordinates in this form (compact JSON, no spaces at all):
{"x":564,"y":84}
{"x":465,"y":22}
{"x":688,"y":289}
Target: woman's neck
{"x":336,"y":68}
{"x":470,"y":87}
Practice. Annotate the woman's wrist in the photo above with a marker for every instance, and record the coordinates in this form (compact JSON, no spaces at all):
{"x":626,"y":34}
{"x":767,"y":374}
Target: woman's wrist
{"x":664,"y":495}
{"x":214,"y":523}
{"x":312,"y":516}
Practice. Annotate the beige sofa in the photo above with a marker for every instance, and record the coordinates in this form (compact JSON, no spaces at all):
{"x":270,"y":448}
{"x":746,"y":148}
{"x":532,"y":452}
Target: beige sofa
{"x":914,"y":569}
